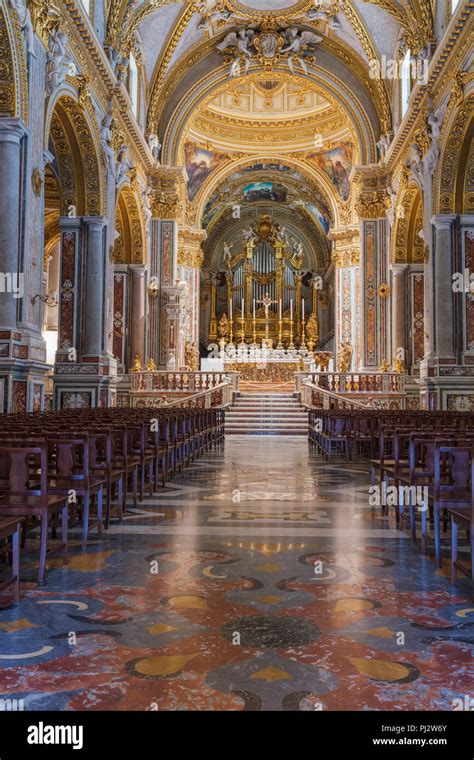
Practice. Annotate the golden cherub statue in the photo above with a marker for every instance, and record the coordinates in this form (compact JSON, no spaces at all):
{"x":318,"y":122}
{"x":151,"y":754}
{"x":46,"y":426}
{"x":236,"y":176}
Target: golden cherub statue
{"x":150,"y":365}
{"x":223,"y":326}
{"x":398,"y":366}
{"x":345,"y":356}
{"x":385,"y":366}
{"x":137,"y":364}
{"x":312,"y":332}
{"x":191,"y":357}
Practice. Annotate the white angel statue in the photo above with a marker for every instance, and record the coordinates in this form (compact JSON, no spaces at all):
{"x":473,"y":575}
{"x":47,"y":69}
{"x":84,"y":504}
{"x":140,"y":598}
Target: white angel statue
{"x":249,"y":236}
{"x":240,"y":41}
{"x":56,"y":62}
{"x":211,"y":11}
{"x":391,"y":209}
{"x":324,"y":10}
{"x":435,"y":123}
{"x":122,"y":165}
{"x":154,"y":145}
{"x":296,"y":44}
{"x":106,"y":139}
{"x":383,"y":145}
{"x":26,"y":26}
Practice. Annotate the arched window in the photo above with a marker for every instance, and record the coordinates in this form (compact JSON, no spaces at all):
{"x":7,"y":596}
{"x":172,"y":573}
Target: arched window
{"x":406,"y":81}
{"x":133,"y":83}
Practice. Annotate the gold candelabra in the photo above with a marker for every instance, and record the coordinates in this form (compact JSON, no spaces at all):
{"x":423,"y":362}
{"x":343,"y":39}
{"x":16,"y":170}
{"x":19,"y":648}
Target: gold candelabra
{"x":280,"y":329}
{"x":291,"y":346}
{"x":254,"y":322}
{"x":231,"y":336}
{"x":242,"y":319}
{"x":303,"y":346}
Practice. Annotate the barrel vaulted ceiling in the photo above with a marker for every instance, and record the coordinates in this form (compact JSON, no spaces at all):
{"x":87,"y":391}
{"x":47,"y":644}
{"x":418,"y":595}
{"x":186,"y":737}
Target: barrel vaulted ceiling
{"x":318,"y":120}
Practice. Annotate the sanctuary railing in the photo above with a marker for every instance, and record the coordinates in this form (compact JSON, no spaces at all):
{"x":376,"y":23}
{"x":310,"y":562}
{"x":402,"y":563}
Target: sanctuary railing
{"x":221,"y":395}
{"x":315,"y":397}
{"x":354,"y":382}
{"x":194,"y":382}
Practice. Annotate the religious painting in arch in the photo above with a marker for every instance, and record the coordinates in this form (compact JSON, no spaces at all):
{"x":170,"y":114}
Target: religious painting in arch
{"x":199,"y":164}
{"x":337,"y":164}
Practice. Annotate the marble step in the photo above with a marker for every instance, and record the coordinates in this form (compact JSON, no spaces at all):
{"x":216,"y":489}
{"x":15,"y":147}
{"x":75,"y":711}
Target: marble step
{"x":266,"y":426}
{"x":272,"y":413}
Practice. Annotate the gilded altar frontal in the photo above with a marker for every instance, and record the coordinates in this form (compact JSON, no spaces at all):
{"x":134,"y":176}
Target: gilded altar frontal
{"x":236,"y":369}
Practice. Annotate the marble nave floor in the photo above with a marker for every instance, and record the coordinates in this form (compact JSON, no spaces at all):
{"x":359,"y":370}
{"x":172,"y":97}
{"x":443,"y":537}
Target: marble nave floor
{"x":261,"y":579}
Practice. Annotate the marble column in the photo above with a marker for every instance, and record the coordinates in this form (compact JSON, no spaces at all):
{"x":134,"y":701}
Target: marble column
{"x":12,"y":132}
{"x":399,"y":320}
{"x":166,"y":204}
{"x":138,"y":310}
{"x":443,"y":286}
{"x":94,"y":286}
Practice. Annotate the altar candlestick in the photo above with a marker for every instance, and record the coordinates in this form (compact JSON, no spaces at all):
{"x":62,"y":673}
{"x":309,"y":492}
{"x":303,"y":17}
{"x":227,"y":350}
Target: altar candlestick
{"x":230,"y":309}
{"x":254,"y":309}
{"x":280,"y":308}
{"x":302,"y":307}
{"x":243,"y":309}
{"x":291,"y":308}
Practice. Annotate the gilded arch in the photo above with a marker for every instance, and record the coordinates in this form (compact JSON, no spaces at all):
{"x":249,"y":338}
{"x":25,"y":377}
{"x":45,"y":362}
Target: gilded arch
{"x":454,"y":181}
{"x":81,"y":169}
{"x":335,"y":90}
{"x":13,"y":74}
{"x":129,"y":248}
{"x":310,"y":172}
{"x":408,"y":246}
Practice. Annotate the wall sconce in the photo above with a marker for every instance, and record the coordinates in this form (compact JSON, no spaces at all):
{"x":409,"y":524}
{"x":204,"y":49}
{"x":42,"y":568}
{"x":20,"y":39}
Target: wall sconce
{"x":153,"y":291}
{"x":52,"y":302}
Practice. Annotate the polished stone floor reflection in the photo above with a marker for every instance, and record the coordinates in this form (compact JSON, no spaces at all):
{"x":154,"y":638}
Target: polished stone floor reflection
{"x":260,"y":579}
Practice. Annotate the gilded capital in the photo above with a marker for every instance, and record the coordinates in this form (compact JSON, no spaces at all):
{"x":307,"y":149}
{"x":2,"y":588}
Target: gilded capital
{"x":373,"y":205}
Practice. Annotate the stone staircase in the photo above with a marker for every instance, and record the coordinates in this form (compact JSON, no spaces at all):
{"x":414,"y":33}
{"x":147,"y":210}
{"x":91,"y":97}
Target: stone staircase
{"x":266,"y":414}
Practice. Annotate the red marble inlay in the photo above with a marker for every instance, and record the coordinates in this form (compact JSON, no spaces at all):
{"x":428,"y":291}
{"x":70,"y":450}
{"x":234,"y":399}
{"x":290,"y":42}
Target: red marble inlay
{"x":66,"y":313}
{"x":37,"y":395}
{"x":469,"y":259}
{"x":19,"y":396}
{"x":118,"y":316}
{"x":370,"y":295}
{"x":418,"y":323}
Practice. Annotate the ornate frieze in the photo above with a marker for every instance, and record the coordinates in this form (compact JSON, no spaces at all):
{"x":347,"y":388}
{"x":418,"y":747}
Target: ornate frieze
{"x":349,"y":258}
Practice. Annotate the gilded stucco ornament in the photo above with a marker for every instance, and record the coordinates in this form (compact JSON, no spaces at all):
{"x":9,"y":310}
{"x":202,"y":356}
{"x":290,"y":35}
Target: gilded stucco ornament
{"x":267,"y":44}
{"x":36,"y":181}
{"x":45,"y":18}
{"x":165,"y":205}
{"x":373,"y":205}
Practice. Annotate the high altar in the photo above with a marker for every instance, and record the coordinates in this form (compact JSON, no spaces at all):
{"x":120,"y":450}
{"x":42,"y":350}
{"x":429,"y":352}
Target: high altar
{"x":269,"y":300}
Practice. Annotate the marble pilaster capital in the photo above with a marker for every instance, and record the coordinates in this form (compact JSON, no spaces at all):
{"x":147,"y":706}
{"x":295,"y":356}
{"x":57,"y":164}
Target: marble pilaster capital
{"x":443,"y":221}
{"x":12,"y":130}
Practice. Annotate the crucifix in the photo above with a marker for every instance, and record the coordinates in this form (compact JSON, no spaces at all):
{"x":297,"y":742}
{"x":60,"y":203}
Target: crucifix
{"x":266,"y":302}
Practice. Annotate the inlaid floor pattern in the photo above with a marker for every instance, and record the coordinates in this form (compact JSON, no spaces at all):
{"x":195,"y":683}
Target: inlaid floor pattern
{"x":261,"y":578}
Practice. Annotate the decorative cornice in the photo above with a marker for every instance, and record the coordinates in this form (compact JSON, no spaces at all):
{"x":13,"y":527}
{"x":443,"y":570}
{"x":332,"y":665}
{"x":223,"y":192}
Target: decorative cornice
{"x":447,"y":58}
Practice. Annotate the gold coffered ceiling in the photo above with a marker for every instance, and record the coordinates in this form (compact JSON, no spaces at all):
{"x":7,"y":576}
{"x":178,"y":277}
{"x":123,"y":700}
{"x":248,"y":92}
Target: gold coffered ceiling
{"x":267,"y":113}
